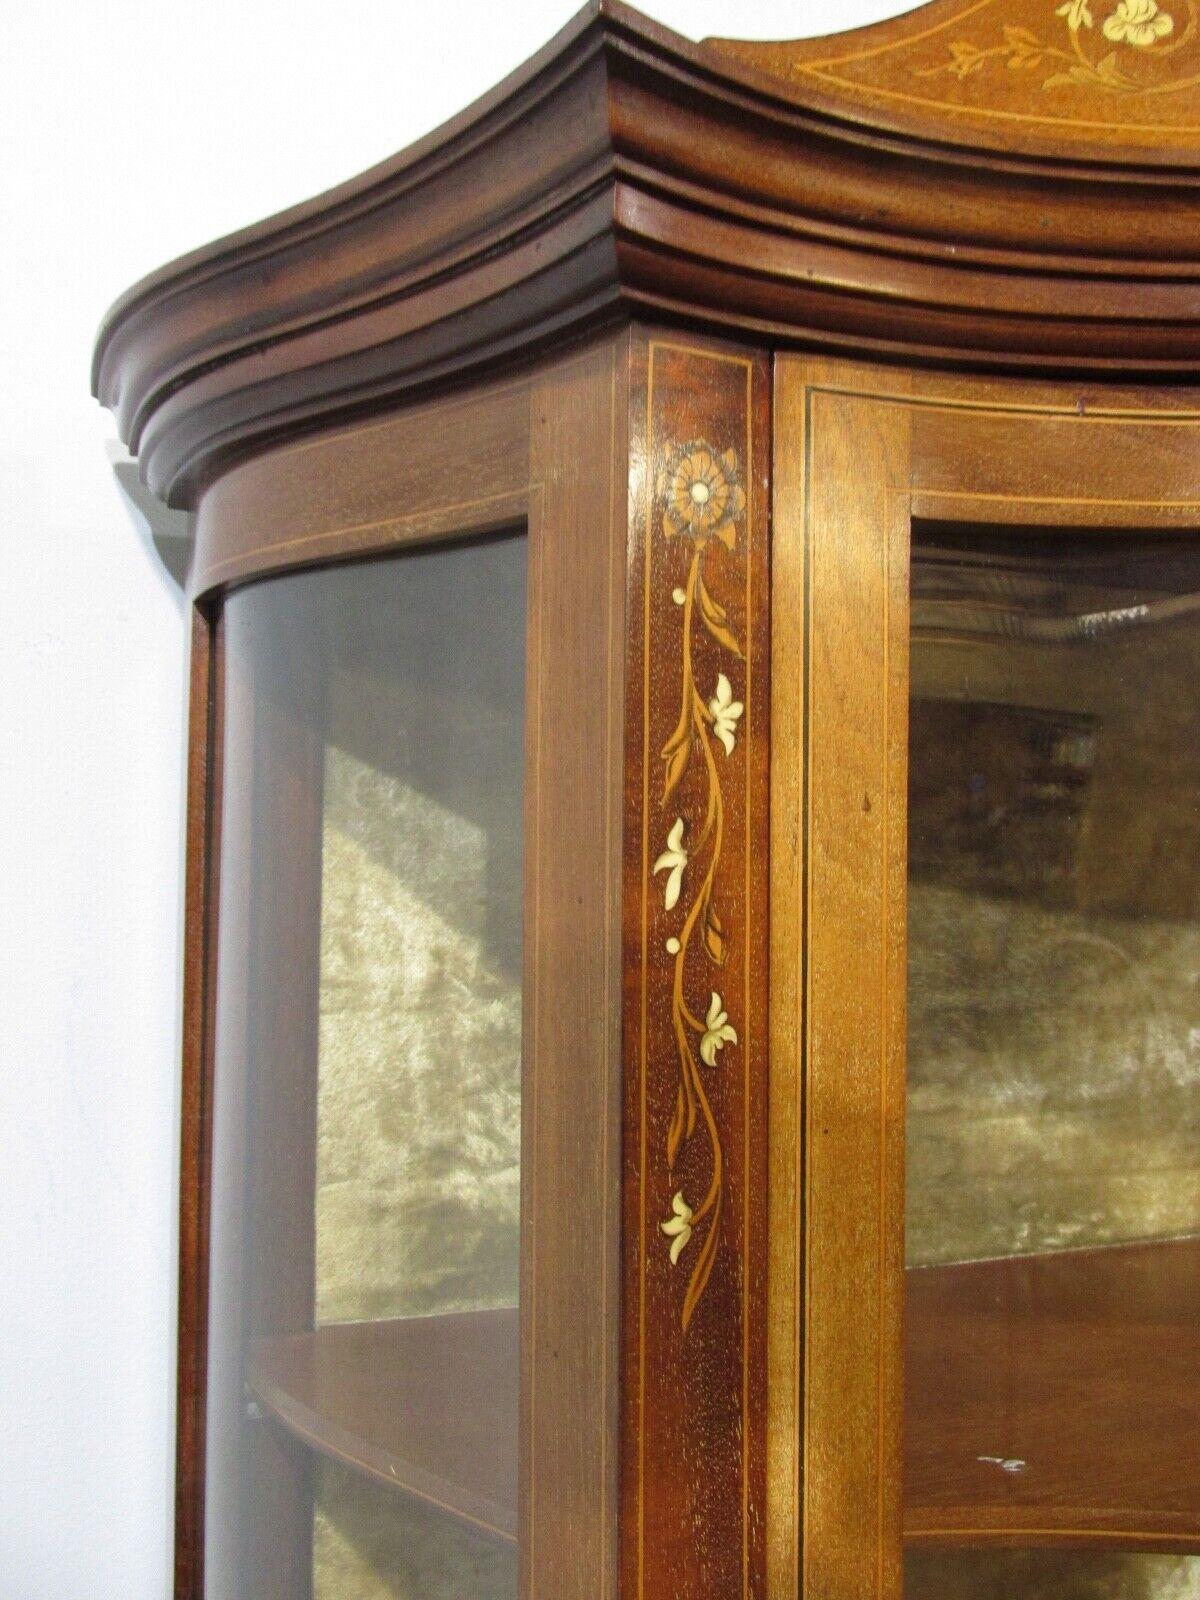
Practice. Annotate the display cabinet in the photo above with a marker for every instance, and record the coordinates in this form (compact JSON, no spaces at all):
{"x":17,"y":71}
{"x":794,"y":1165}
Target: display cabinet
{"x":691,"y":1085}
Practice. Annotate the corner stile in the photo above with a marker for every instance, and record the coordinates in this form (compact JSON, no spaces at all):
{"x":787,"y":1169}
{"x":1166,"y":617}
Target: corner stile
{"x":695,"y":1027}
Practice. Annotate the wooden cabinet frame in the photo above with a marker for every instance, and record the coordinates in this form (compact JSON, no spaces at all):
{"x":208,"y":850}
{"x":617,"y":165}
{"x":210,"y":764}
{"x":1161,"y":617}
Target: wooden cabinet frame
{"x":715,"y":324}
{"x":617,"y":1391}
{"x":858,"y":455}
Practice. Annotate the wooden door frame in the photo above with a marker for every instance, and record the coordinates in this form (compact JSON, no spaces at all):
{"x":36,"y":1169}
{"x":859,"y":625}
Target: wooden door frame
{"x":860,"y":453}
{"x":524,"y":454}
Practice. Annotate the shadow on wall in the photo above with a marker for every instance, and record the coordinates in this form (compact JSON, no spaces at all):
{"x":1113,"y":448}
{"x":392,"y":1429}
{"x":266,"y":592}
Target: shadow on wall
{"x":166,"y":534}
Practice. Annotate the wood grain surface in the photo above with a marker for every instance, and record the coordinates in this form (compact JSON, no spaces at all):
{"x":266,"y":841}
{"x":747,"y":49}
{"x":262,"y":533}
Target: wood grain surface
{"x":573,"y":998}
{"x":426,"y":1405}
{"x":1019,"y":76}
{"x":1079,"y":1369}
{"x":695,"y":1124}
{"x":854,"y":196}
{"x":205,"y":743}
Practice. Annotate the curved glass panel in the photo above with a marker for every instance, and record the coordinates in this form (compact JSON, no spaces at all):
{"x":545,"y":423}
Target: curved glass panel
{"x":363,"y":1368}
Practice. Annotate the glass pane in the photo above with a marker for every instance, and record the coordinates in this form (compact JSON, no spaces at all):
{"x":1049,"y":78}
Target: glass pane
{"x":363,"y":1370}
{"x":1052,"y":1431}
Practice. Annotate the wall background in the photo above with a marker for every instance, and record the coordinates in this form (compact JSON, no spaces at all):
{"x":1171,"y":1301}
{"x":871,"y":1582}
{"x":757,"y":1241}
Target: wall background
{"x":125,"y":145}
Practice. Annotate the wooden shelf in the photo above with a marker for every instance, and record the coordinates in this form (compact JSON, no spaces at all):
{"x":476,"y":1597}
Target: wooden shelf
{"x":1085,"y":1367}
{"x":427,"y":1405}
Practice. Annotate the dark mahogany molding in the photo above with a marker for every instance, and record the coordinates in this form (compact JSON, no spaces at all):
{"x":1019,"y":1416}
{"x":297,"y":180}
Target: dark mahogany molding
{"x":982,"y":184}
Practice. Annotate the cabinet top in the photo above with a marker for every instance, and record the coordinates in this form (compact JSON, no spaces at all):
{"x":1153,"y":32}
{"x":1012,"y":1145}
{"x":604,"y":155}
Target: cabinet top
{"x":1005,"y":185}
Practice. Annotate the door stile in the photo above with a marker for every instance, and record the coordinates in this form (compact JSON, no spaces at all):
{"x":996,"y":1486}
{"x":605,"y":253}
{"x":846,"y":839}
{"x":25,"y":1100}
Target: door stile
{"x":840,"y":637}
{"x":571,"y":1079}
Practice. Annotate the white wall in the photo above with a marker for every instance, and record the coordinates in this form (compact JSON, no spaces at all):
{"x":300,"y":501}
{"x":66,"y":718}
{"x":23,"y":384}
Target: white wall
{"x":131,"y":133}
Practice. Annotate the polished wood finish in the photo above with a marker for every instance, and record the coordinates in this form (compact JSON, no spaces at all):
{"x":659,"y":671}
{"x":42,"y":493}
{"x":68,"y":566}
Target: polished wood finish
{"x":434,"y":472}
{"x":1014,"y":76}
{"x":787,"y":967}
{"x":625,"y":171}
{"x":572,"y":1005}
{"x":838,"y":954}
{"x":694,"y":1343}
{"x":425,"y":1405}
{"x":201,"y":904}
{"x":1081,"y":1370}
{"x":1024,"y":1359}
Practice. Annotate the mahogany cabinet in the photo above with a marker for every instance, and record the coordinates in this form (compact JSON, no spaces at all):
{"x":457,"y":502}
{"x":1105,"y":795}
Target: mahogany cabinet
{"x":692,"y":1006}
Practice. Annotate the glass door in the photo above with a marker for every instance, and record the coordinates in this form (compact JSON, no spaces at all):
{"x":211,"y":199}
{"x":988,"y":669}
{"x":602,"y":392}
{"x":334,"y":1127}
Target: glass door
{"x":1052,"y":1284}
{"x":363,"y":1371}
{"x":985,"y":1311}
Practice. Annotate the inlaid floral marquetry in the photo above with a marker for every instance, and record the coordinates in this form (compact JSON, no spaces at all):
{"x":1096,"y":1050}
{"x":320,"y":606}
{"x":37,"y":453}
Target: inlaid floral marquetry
{"x":703,"y":503}
{"x":696,"y":937}
{"x":1128,"y":47}
{"x":1023,"y":74}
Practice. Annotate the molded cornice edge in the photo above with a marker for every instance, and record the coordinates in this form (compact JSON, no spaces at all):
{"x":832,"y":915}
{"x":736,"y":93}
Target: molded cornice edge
{"x":625,"y":171}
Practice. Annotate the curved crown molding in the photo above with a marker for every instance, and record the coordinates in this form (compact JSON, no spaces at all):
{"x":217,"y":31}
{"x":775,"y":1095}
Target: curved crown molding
{"x":1002,"y":209}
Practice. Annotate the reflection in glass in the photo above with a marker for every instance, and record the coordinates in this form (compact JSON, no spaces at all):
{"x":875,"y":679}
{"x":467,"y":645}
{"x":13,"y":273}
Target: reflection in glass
{"x":362,"y":1408}
{"x":1053,"y":1116}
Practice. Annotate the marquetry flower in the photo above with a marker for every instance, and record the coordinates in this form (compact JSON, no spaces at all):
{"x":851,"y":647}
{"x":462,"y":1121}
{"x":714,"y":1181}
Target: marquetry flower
{"x":725,"y":712}
{"x":678,"y":1227}
{"x":965,"y":58}
{"x":717,"y":1032}
{"x":1139,"y":22}
{"x":1077,"y":14}
{"x":703,"y":492}
{"x":672,"y":861}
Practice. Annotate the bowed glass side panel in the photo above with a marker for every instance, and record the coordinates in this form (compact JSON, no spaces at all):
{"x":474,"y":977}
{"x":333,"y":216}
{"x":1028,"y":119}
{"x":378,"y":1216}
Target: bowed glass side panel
{"x":1052,"y":1421}
{"x":365,"y":1238}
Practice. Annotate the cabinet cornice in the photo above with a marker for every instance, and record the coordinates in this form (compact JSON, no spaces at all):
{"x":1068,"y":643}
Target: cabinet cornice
{"x":625,"y":171}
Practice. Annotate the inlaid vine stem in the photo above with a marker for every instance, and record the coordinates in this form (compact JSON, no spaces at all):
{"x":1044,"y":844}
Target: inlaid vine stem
{"x":704,"y":499}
